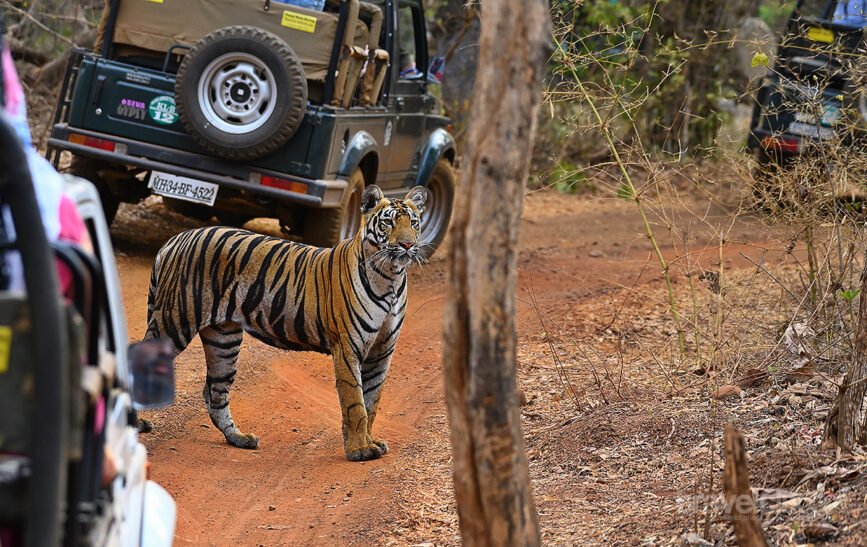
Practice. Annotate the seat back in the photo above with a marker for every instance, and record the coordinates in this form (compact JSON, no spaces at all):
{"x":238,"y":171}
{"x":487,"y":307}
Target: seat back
{"x":157,"y":26}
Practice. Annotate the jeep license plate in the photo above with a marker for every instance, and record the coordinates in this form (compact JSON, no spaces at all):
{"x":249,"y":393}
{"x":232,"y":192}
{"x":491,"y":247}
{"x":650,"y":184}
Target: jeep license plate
{"x":184,"y":188}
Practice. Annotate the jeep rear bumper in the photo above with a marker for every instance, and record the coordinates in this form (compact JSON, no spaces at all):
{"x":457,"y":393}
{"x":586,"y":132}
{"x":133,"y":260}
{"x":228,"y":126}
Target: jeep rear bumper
{"x":319,"y":193}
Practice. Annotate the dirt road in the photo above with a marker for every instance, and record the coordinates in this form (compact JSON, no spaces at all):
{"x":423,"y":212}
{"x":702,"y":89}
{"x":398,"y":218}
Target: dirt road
{"x":297,"y":488}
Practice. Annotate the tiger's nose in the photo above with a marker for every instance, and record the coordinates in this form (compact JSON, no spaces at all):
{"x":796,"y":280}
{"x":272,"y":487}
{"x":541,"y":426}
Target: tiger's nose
{"x":406,"y":244}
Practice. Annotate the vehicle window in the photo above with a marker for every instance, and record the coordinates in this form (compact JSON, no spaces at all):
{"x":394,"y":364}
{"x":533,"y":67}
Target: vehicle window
{"x":851,"y":12}
{"x":407,"y":43}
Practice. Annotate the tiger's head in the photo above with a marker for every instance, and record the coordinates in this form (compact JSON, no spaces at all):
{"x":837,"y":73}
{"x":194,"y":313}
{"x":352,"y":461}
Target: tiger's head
{"x":391,"y":226}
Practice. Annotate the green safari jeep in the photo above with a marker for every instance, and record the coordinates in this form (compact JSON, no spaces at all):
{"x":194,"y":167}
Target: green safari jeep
{"x":259,"y":108}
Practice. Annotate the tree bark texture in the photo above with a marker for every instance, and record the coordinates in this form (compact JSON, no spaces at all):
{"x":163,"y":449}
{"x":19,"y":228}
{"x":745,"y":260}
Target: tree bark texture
{"x":739,"y":497}
{"x":492,"y":486}
{"x":844,"y":426}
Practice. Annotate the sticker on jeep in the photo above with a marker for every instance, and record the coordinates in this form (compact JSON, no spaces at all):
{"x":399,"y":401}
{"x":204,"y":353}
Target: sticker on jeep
{"x":387,"y":138}
{"x":129,"y":108}
{"x":5,"y":348}
{"x":297,"y":21}
{"x":163,"y":110}
{"x":138,"y":78}
{"x":819,"y":34}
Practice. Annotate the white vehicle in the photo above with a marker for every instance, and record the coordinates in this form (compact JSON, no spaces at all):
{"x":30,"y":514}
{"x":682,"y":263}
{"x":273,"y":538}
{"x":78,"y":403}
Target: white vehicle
{"x":72,"y":471}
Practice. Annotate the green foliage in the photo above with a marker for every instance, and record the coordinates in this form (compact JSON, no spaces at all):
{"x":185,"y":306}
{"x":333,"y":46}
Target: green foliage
{"x":625,"y":191}
{"x":759,"y":59}
{"x":849,"y":294}
{"x":568,"y":178}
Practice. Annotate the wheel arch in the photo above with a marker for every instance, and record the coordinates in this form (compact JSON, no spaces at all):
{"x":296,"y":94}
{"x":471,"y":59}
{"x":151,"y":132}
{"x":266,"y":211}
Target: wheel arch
{"x":362,"y":152}
{"x":439,"y":145}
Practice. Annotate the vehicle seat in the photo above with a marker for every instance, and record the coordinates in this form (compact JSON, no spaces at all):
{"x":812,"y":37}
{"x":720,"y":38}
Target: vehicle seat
{"x":377,"y":59}
{"x":155,"y":27}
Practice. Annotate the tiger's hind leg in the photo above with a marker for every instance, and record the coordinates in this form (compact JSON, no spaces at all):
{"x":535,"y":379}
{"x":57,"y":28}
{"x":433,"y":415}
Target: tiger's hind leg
{"x":222,"y":343}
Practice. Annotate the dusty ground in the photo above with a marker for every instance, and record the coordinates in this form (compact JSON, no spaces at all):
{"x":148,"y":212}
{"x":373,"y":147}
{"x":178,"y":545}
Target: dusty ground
{"x":624,"y":448}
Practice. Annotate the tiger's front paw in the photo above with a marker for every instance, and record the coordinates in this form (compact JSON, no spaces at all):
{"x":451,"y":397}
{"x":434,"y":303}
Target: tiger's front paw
{"x":249,"y":441}
{"x":363,"y":454}
{"x":383,"y":446}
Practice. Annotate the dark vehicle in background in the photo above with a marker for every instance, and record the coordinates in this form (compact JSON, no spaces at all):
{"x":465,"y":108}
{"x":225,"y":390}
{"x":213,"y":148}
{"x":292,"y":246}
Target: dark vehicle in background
{"x":259,"y":108}
{"x":814,"y":95}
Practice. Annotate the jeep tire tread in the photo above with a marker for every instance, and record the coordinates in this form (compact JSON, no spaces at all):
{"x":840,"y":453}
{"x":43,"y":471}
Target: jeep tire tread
{"x":438,"y":208}
{"x":328,"y":227}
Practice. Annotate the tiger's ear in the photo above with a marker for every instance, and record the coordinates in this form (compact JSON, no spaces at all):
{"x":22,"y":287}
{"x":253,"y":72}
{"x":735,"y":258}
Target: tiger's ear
{"x":370,"y":197}
{"x":418,"y":196}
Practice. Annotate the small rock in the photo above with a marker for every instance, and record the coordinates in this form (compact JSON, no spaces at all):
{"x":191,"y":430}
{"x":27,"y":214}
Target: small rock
{"x":346,"y":498}
{"x":725,"y":391}
{"x":310,"y":526}
{"x":272,"y":507}
{"x":595,"y":253}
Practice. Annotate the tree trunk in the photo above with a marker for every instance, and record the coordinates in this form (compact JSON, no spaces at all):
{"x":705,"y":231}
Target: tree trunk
{"x":844,"y":426}
{"x":739,"y":497}
{"x":492,"y":486}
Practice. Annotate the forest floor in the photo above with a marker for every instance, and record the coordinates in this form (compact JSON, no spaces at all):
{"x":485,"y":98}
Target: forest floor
{"x":623,"y":439}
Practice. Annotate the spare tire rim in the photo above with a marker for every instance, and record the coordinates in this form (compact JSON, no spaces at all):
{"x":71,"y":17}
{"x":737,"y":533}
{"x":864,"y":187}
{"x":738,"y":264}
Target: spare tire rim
{"x":237,"y":93}
{"x":435,"y":215}
{"x":351,"y":216}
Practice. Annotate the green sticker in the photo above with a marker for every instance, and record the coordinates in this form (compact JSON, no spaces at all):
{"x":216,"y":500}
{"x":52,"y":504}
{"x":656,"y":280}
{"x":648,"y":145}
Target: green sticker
{"x":163,"y":110}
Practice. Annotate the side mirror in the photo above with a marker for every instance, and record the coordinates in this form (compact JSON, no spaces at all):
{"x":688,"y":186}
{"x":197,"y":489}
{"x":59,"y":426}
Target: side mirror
{"x":437,"y":70}
{"x":153,"y":373}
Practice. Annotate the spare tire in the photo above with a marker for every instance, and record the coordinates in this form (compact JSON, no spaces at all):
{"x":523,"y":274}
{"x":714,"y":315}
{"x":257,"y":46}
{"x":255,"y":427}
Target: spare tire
{"x":241,"y":92}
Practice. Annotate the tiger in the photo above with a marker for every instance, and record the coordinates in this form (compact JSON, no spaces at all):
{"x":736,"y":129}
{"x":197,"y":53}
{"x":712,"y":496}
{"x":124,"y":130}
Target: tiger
{"x":348,"y":301}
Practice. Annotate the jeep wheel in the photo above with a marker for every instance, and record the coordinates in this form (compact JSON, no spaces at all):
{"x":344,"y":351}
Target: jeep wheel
{"x":241,"y":92}
{"x":88,"y":168}
{"x":328,"y":227}
{"x":438,"y":209}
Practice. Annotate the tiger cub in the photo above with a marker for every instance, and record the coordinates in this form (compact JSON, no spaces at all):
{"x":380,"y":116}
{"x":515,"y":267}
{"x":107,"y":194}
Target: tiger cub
{"x":349,"y":302}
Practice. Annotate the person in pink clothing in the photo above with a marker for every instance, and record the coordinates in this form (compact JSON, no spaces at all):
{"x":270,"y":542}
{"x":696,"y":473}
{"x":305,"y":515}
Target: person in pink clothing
{"x":59,"y":215}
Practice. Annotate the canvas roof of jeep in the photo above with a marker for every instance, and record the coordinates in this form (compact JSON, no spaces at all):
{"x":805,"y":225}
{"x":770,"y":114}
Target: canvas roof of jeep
{"x":157,"y":26}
